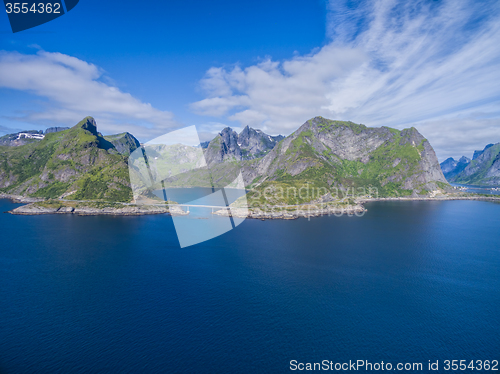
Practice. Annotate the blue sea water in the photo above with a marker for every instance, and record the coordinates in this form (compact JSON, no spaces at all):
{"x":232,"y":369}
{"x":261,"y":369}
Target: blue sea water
{"x":478,"y":189}
{"x":407,"y":282}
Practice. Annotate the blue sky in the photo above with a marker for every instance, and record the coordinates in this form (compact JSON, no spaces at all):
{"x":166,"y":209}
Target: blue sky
{"x":151,"y":67}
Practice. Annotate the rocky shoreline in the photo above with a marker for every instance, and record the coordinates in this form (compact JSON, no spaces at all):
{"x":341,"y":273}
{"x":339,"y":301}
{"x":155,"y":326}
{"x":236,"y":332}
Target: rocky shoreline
{"x":305,"y":211}
{"x":32,"y":209}
{"x":440,"y":198}
{"x":20,"y":199}
{"x":37,"y":206}
{"x":319,"y":209}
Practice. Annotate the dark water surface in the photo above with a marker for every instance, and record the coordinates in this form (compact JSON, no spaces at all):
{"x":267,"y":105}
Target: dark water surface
{"x":407,"y":282}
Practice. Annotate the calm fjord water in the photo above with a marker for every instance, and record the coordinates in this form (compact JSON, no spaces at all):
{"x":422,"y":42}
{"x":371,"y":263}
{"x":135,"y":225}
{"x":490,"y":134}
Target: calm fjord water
{"x":407,"y":282}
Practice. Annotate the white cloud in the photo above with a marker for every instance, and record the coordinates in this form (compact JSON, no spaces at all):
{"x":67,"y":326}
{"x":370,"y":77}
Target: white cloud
{"x":389,"y":63}
{"x":457,"y":137}
{"x":274,"y":93}
{"x":74,"y":90}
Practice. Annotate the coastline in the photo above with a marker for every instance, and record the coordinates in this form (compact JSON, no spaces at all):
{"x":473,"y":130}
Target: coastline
{"x":40,"y":206}
{"x":319,"y":209}
{"x":440,"y":198}
{"x":298,"y":211}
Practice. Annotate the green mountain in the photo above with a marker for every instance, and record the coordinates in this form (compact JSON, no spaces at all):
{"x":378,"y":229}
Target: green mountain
{"x":125,"y":143}
{"x":323,"y":156}
{"x":336,"y":155}
{"x":483,"y":170}
{"x":326,"y":158}
{"x":452,"y":168}
{"x":78,"y":162}
{"x":247,"y":145}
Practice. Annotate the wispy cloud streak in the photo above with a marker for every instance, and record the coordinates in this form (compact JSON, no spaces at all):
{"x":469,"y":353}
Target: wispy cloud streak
{"x":388,"y":63}
{"x":73,"y":89}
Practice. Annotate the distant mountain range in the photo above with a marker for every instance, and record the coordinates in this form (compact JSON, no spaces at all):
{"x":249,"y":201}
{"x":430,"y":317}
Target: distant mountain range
{"x":329,"y":156}
{"x":482,"y":170}
{"x":25,"y":137}
{"x":81,"y":163}
{"x":247,"y":145}
{"x":452,"y":168}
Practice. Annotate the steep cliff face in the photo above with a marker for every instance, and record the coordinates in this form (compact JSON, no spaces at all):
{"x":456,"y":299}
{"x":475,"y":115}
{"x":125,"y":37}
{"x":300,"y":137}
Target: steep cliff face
{"x":326,"y":154}
{"x":483,"y":170}
{"x":255,"y":143}
{"x":78,"y":160}
{"x":451,"y":168}
{"x":480,"y":152}
{"x":344,"y":154}
{"x":247,"y":145}
{"x":224,"y":147}
{"x":55,"y":129}
{"x":125,"y":143}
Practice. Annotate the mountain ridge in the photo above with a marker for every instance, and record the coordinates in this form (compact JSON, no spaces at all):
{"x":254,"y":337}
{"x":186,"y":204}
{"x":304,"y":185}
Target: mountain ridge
{"x":247,"y":145}
{"x":342,"y":153}
{"x":333,"y":156}
{"x":321,"y":153}
{"x":76,"y":161}
{"x":482,"y":170}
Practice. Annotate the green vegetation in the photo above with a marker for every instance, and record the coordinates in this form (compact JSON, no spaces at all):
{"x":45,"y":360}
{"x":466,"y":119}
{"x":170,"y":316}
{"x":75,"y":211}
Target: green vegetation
{"x":315,"y":159}
{"x":291,"y":192}
{"x":66,"y":161}
{"x":53,"y":190}
{"x":327,"y":125}
{"x":55,"y":204}
{"x":81,"y":160}
{"x":388,"y":166}
{"x":442,"y":185}
{"x":478,"y":169}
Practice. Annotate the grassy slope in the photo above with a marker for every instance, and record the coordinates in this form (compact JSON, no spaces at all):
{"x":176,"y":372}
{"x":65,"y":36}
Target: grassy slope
{"x":383,"y":175}
{"x":328,"y":170}
{"x":35,"y":169}
{"x":479,"y":177}
{"x":65,"y":161}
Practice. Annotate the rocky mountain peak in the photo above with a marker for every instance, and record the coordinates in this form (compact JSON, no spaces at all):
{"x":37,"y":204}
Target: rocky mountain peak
{"x":411,"y":136}
{"x":448,"y":165}
{"x":89,"y":124}
{"x":96,"y":170}
{"x":342,"y":153}
{"x":482,"y":170}
{"x":248,"y":144}
{"x":479,"y":153}
{"x":55,"y":129}
{"x":244,"y":136}
{"x":230,"y":141}
{"x":451,"y":167}
{"x":125,"y":143}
